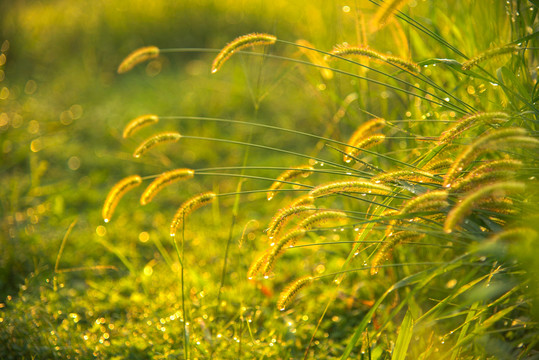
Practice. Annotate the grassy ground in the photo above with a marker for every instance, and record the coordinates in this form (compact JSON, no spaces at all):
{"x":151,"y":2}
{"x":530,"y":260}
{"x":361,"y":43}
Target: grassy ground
{"x":72,"y":286}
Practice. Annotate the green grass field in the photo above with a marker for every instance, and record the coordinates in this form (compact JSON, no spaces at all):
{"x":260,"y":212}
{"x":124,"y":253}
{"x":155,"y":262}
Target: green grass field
{"x":372,"y":166}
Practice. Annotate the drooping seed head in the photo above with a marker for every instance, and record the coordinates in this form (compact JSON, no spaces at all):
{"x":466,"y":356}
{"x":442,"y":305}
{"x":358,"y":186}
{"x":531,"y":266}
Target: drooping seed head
{"x":163,"y":180}
{"x":279,"y":247}
{"x":467,"y":65}
{"x":138,"y":56}
{"x":291,"y":291}
{"x":116,"y":194}
{"x":138,"y":123}
{"x":429,"y":201}
{"x":386,"y":11}
{"x":284,"y":215}
{"x":188,"y":207}
{"x":238,"y":44}
{"x":303,"y":171}
{"x":465,"y":206}
{"x":488,"y":142}
{"x":469,"y":121}
{"x":412,"y":175}
{"x":257,"y":265}
{"x":357,"y":186}
{"x":155,"y":140}
{"x":320,"y":217}
{"x":353,"y":149}
{"x":389,"y":244}
{"x":408,"y":65}
{"x":344,"y":50}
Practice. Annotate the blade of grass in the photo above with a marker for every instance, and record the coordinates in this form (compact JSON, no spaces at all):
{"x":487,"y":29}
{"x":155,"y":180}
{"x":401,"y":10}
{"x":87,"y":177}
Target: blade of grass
{"x":403,"y":340}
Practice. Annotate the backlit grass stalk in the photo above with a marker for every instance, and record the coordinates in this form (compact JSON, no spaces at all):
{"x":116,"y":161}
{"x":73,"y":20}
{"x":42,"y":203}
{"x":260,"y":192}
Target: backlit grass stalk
{"x":180,"y":253}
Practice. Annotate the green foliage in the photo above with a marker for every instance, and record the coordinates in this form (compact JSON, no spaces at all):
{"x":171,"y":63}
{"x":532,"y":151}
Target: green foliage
{"x":433,"y":254}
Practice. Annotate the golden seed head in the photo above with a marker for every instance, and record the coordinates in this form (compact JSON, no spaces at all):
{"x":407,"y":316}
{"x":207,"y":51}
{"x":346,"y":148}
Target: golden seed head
{"x":155,"y":140}
{"x":238,"y":44}
{"x":163,"y":180}
{"x":188,"y":207}
{"x":138,"y":123}
{"x":291,"y":291}
{"x":116,"y":194}
{"x":138,"y":56}
{"x":303,"y":171}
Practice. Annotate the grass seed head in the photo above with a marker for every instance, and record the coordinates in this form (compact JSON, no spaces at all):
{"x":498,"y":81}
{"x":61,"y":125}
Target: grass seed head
{"x":413,"y":175}
{"x":357,"y":186}
{"x":386,"y":12}
{"x":344,"y":50}
{"x":321,"y":217}
{"x":509,"y":49}
{"x":283,"y":216}
{"x":188,"y":207}
{"x":279,"y":247}
{"x":291,"y":291}
{"x":468,"y":121}
{"x":316,"y":58}
{"x":163,"y":180}
{"x":238,"y":44}
{"x":352,"y":150}
{"x":466,"y":205}
{"x":155,"y":140}
{"x":138,"y":123}
{"x":404,"y":64}
{"x":116,"y":194}
{"x":303,"y":171}
{"x":138,"y":56}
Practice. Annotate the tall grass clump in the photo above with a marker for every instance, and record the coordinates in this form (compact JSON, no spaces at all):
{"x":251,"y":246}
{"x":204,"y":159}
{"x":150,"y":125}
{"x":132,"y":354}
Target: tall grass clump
{"x":408,"y":211}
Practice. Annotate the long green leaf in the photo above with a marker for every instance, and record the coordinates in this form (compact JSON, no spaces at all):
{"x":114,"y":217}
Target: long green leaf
{"x":403,"y":340}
